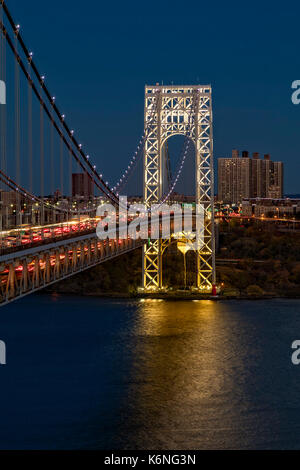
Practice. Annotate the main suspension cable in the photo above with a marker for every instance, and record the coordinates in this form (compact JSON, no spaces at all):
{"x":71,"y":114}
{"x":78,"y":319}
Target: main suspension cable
{"x":111,"y":195}
{"x":99,"y":183}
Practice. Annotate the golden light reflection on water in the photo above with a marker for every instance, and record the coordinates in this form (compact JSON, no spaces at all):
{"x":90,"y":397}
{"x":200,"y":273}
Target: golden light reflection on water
{"x":187,"y":371}
{"x":188,"y":344}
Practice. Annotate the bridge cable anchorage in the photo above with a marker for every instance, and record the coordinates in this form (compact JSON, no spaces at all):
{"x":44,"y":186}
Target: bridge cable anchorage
{"x":95,"y":176}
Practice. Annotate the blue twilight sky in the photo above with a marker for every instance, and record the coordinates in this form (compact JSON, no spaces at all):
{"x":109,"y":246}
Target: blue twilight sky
{"x":97,"y":57}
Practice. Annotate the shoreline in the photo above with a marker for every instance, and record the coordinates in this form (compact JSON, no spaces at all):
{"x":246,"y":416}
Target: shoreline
{"x":173,"y":296}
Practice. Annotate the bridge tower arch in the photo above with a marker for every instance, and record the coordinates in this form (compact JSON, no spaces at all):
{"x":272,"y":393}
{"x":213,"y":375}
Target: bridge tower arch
{"x":168,"y":111}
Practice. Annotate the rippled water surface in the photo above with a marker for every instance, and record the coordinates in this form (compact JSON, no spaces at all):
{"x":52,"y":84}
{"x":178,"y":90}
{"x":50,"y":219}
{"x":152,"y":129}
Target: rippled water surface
{"x":85,"y":372}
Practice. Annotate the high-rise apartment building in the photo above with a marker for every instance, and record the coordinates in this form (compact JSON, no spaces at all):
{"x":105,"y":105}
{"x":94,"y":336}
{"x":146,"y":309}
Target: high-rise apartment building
{"x":276,"y":183}
{"x":244,"y":177}
{"x":234,"y":177}
{"x":256,"y":175}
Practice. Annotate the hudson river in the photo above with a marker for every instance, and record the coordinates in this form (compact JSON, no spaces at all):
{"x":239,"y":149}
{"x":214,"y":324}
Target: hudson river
{"x":88,"y":373}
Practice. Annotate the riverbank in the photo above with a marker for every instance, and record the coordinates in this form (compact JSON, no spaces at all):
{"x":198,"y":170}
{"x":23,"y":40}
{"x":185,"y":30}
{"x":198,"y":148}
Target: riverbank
{"x":172,"y":296}
{"x":252,"y":263}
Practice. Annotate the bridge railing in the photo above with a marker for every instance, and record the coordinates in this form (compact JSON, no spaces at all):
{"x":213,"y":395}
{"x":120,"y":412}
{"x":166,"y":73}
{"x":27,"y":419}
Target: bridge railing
{"x":26,"y":271}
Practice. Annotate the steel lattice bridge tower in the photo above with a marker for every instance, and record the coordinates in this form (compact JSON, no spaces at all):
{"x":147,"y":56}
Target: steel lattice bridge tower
{"x":169,"y":111}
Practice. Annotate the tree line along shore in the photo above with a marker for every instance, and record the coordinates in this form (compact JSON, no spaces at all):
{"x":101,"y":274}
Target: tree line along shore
{"x":252,"y":261}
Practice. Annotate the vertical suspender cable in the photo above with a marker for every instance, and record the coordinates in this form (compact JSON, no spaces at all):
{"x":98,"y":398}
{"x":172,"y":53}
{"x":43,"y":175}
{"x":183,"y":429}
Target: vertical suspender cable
{"x":3,"y":107}
{"x":52,"y":188}
{"x":2,"y":114}
{"x":17,"y":128}
{"x":61,"y":152}
{"x":42,"y":160}
{"x":79,"y":184}
{"x":29,"y":117}
{"x":70,"y":179}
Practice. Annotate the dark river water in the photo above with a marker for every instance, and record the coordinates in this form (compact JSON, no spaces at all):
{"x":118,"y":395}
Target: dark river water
{"x":88,"y":373}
